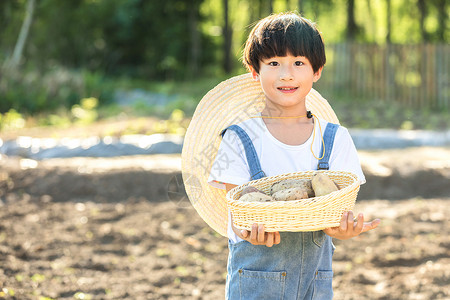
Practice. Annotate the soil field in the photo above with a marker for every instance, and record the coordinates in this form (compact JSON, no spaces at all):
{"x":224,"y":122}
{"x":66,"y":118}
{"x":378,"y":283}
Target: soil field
{"x":109,"y":229}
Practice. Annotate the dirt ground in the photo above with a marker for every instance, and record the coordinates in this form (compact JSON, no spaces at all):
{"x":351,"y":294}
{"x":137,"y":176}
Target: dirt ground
{"x":85,"y":228}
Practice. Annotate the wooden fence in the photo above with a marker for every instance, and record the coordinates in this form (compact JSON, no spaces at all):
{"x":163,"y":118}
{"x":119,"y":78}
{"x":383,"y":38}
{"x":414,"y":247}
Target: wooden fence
{"x":414,"y":75}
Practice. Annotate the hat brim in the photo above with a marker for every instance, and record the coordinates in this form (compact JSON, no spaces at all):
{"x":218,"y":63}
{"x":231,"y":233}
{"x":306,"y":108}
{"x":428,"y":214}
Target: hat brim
{"x":230,"y":102}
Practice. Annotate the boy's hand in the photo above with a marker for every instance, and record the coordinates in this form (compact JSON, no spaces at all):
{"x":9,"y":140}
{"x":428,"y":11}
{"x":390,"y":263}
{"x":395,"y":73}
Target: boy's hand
{"x":349,"y":228}
{"x":258,"y":236}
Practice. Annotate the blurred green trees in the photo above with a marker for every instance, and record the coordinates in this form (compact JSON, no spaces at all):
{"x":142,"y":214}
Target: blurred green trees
{"x":75,"y":47}
{"x":128,"y":37}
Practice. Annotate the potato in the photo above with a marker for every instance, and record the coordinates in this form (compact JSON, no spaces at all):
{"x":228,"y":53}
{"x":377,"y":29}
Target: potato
{"x":322,"y":184}
{"x":305,"y":184}
{"x":256,"y":197}
{"x":250,"y":189}
{"x":295,"y":193}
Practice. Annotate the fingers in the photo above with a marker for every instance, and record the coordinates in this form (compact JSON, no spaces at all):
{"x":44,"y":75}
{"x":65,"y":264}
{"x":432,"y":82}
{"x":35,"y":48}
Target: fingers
{"x":254,"y":234}
{"x":350,"y":221}
{"x":350,"y":227}
{"x":277,"y":238}
{"x":359,"y":224}
{"x":344,"y":219}
{"x":273,"y":238}
{"x":261,"y":234}
{"x":270,"y":239}
{"x":375,"y":223}
{"x":258,"y":236}
{"x":371,"y":225}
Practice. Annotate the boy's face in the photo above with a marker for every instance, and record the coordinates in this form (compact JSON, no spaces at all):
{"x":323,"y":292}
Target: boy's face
{"x":286,"y":80}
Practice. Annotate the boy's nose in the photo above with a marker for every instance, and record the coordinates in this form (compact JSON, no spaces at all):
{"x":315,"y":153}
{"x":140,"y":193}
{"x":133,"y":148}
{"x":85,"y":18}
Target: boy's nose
{"x":286,"y":74}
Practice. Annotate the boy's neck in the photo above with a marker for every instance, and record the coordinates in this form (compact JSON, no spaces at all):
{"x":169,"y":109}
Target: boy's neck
{"x":277,"y":116}
{"x":290,"y":131}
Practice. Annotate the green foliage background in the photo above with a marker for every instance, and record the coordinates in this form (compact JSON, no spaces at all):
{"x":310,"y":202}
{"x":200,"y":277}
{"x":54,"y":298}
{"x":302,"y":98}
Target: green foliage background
{"x":78,"y":49}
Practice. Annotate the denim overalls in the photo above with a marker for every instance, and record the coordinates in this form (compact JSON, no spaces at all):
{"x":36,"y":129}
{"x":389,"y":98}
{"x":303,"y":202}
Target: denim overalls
{"x":297,"y":268}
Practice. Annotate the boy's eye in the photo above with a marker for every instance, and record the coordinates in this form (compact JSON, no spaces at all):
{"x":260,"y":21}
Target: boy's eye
{"x":273,"y":63}
{"x":299,"y":63}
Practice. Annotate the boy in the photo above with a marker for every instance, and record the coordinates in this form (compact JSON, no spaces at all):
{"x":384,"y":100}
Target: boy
{"x":285,"y":54}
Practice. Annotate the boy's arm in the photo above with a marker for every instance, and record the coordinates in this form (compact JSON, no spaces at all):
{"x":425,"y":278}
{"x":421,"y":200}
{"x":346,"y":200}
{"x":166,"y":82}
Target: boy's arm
{"x":345,"y":157}
{"x":229,"y":186}
{"x":257,"y":236}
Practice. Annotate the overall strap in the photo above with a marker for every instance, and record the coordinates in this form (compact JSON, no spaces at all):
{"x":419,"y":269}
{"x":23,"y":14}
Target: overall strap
{"x":250,"y":152}
{"x":328,"y":139}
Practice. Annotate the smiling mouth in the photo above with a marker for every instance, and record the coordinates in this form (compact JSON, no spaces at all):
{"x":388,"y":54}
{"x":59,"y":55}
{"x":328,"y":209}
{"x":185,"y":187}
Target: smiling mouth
{"x":287,"y":88}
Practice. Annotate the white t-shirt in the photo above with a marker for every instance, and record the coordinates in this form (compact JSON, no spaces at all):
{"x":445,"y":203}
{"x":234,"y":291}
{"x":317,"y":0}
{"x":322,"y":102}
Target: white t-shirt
{"x":230,"y":165}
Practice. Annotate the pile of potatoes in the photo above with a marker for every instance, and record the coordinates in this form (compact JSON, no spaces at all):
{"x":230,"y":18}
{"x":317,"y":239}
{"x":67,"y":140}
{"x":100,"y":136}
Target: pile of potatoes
{"x":292,"y":189}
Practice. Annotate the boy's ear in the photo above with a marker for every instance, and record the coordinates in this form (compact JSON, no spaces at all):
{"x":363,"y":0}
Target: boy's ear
{"x":255,"y":74}
{"x":317,"y":75}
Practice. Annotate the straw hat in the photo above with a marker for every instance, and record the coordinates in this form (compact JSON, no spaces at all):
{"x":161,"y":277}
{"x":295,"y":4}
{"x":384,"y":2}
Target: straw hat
{"x":230,"y":102}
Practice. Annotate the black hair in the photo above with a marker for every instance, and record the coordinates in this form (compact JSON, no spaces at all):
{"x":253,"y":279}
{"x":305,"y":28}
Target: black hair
{"x":283,"y":34}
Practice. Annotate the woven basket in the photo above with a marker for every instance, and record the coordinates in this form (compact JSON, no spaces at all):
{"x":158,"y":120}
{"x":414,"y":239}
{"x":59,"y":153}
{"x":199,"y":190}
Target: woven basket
{"x":309,"y":214}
